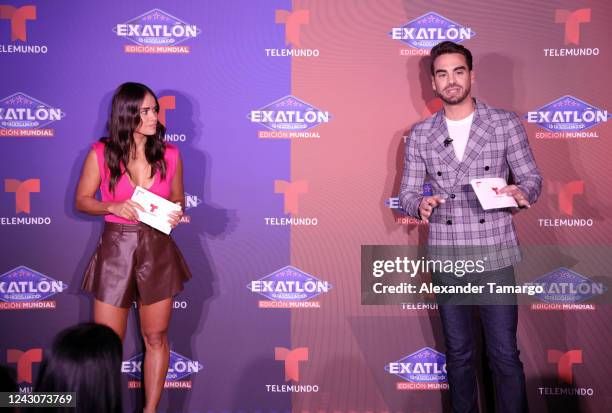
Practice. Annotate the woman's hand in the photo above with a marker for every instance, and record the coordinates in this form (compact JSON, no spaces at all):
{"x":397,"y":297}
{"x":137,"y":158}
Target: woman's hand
{"x":175,"y":217}
{"x":127,"y":209}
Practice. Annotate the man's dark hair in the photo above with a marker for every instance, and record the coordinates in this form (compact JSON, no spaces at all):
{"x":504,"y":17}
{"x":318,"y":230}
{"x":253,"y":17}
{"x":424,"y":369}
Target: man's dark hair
{"x":450,"y":47}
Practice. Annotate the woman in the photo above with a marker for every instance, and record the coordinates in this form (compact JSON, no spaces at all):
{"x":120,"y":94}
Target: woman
{"x":85,"y":359}
{"x":133,"y":261}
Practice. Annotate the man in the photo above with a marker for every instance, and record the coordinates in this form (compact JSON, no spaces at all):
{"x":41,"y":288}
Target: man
{"x":464,"y":141}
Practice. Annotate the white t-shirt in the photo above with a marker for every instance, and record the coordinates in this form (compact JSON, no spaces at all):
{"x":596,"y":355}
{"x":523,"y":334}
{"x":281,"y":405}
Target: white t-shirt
{"x":459,"y":132}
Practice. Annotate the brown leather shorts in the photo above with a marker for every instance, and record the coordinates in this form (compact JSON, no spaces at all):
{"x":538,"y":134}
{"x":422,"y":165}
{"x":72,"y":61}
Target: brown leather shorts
{"x":135,"y":262}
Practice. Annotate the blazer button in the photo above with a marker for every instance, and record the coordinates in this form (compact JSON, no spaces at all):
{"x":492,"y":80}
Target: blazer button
{"x":449,"y":222}
{"x":439,"y":173}
{"x":452,"y":196}
{"x":482,"y":221}
{"x":486,"y":168}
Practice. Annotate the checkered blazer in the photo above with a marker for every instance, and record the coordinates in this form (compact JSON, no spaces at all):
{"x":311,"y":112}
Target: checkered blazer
{"x":497,"y":146}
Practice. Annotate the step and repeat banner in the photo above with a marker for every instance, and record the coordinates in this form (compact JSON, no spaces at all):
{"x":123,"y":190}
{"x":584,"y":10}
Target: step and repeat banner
{"x":290,"y":117}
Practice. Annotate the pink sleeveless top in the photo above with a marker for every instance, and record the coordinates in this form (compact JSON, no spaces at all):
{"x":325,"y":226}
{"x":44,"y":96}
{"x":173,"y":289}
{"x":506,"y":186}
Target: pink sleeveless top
{"x":124,"y":188}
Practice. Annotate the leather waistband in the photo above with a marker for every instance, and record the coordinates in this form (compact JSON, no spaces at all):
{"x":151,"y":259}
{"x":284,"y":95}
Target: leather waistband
{"x":116,"y":227}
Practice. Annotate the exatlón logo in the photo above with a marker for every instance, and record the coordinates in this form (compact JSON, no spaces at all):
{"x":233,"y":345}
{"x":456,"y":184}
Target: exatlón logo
{"x":424,"y":369}
{"x":192,"y":201}
{"x":23,"y":288}
{"x":289,"y":117}
{"x":400,"y":216}
{"x":23,"y":115}
{"x":157,"y":32}
{"x":564,"y":289}
{"x":179,"y":368}
{"x":289,"y":287}
{"x":428,"y":30}
{"x":567,"y":117}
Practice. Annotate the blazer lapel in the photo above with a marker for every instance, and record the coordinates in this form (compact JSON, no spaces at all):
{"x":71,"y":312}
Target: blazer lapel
{"x":439,"y":134}
{"x":480,"y":132}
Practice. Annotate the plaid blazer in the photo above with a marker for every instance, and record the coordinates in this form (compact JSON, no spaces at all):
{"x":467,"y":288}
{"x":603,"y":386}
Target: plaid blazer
{"x":497,"y":146}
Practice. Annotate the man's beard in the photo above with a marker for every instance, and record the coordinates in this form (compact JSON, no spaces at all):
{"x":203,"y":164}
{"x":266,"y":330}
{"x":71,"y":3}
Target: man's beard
{"x":455,"y":100}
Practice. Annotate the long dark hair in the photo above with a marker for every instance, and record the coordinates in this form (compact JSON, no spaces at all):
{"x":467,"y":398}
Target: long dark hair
{"x":124,"y":120}
{"x":85,"y":359}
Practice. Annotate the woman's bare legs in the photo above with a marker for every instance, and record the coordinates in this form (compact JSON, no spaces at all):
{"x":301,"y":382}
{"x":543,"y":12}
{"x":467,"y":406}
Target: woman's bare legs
{"x":154,"y":319}
{"x":111,"y":316}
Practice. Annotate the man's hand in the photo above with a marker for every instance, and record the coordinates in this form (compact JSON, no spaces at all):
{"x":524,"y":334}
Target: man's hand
{"x":517,"y":194}
{"x":427,"y":205}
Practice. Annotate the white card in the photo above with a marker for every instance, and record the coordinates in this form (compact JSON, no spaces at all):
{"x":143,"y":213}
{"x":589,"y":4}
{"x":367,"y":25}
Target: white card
{"x":487,"y":191}
{"x":157,"y":209}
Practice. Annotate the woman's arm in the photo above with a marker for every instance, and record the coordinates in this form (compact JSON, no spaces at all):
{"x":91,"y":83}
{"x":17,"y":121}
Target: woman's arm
{"x":177,"y":190}
{"x":177,"y":193}
{"x":85,"y":200}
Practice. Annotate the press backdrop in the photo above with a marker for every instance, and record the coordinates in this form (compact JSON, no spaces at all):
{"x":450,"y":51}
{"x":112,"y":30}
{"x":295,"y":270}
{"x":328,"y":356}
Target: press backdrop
{"x":290,"y":118}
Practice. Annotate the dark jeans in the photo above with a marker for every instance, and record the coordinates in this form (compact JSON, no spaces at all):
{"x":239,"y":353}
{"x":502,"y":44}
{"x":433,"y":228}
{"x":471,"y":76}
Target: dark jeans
{"x":499,"y":323}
